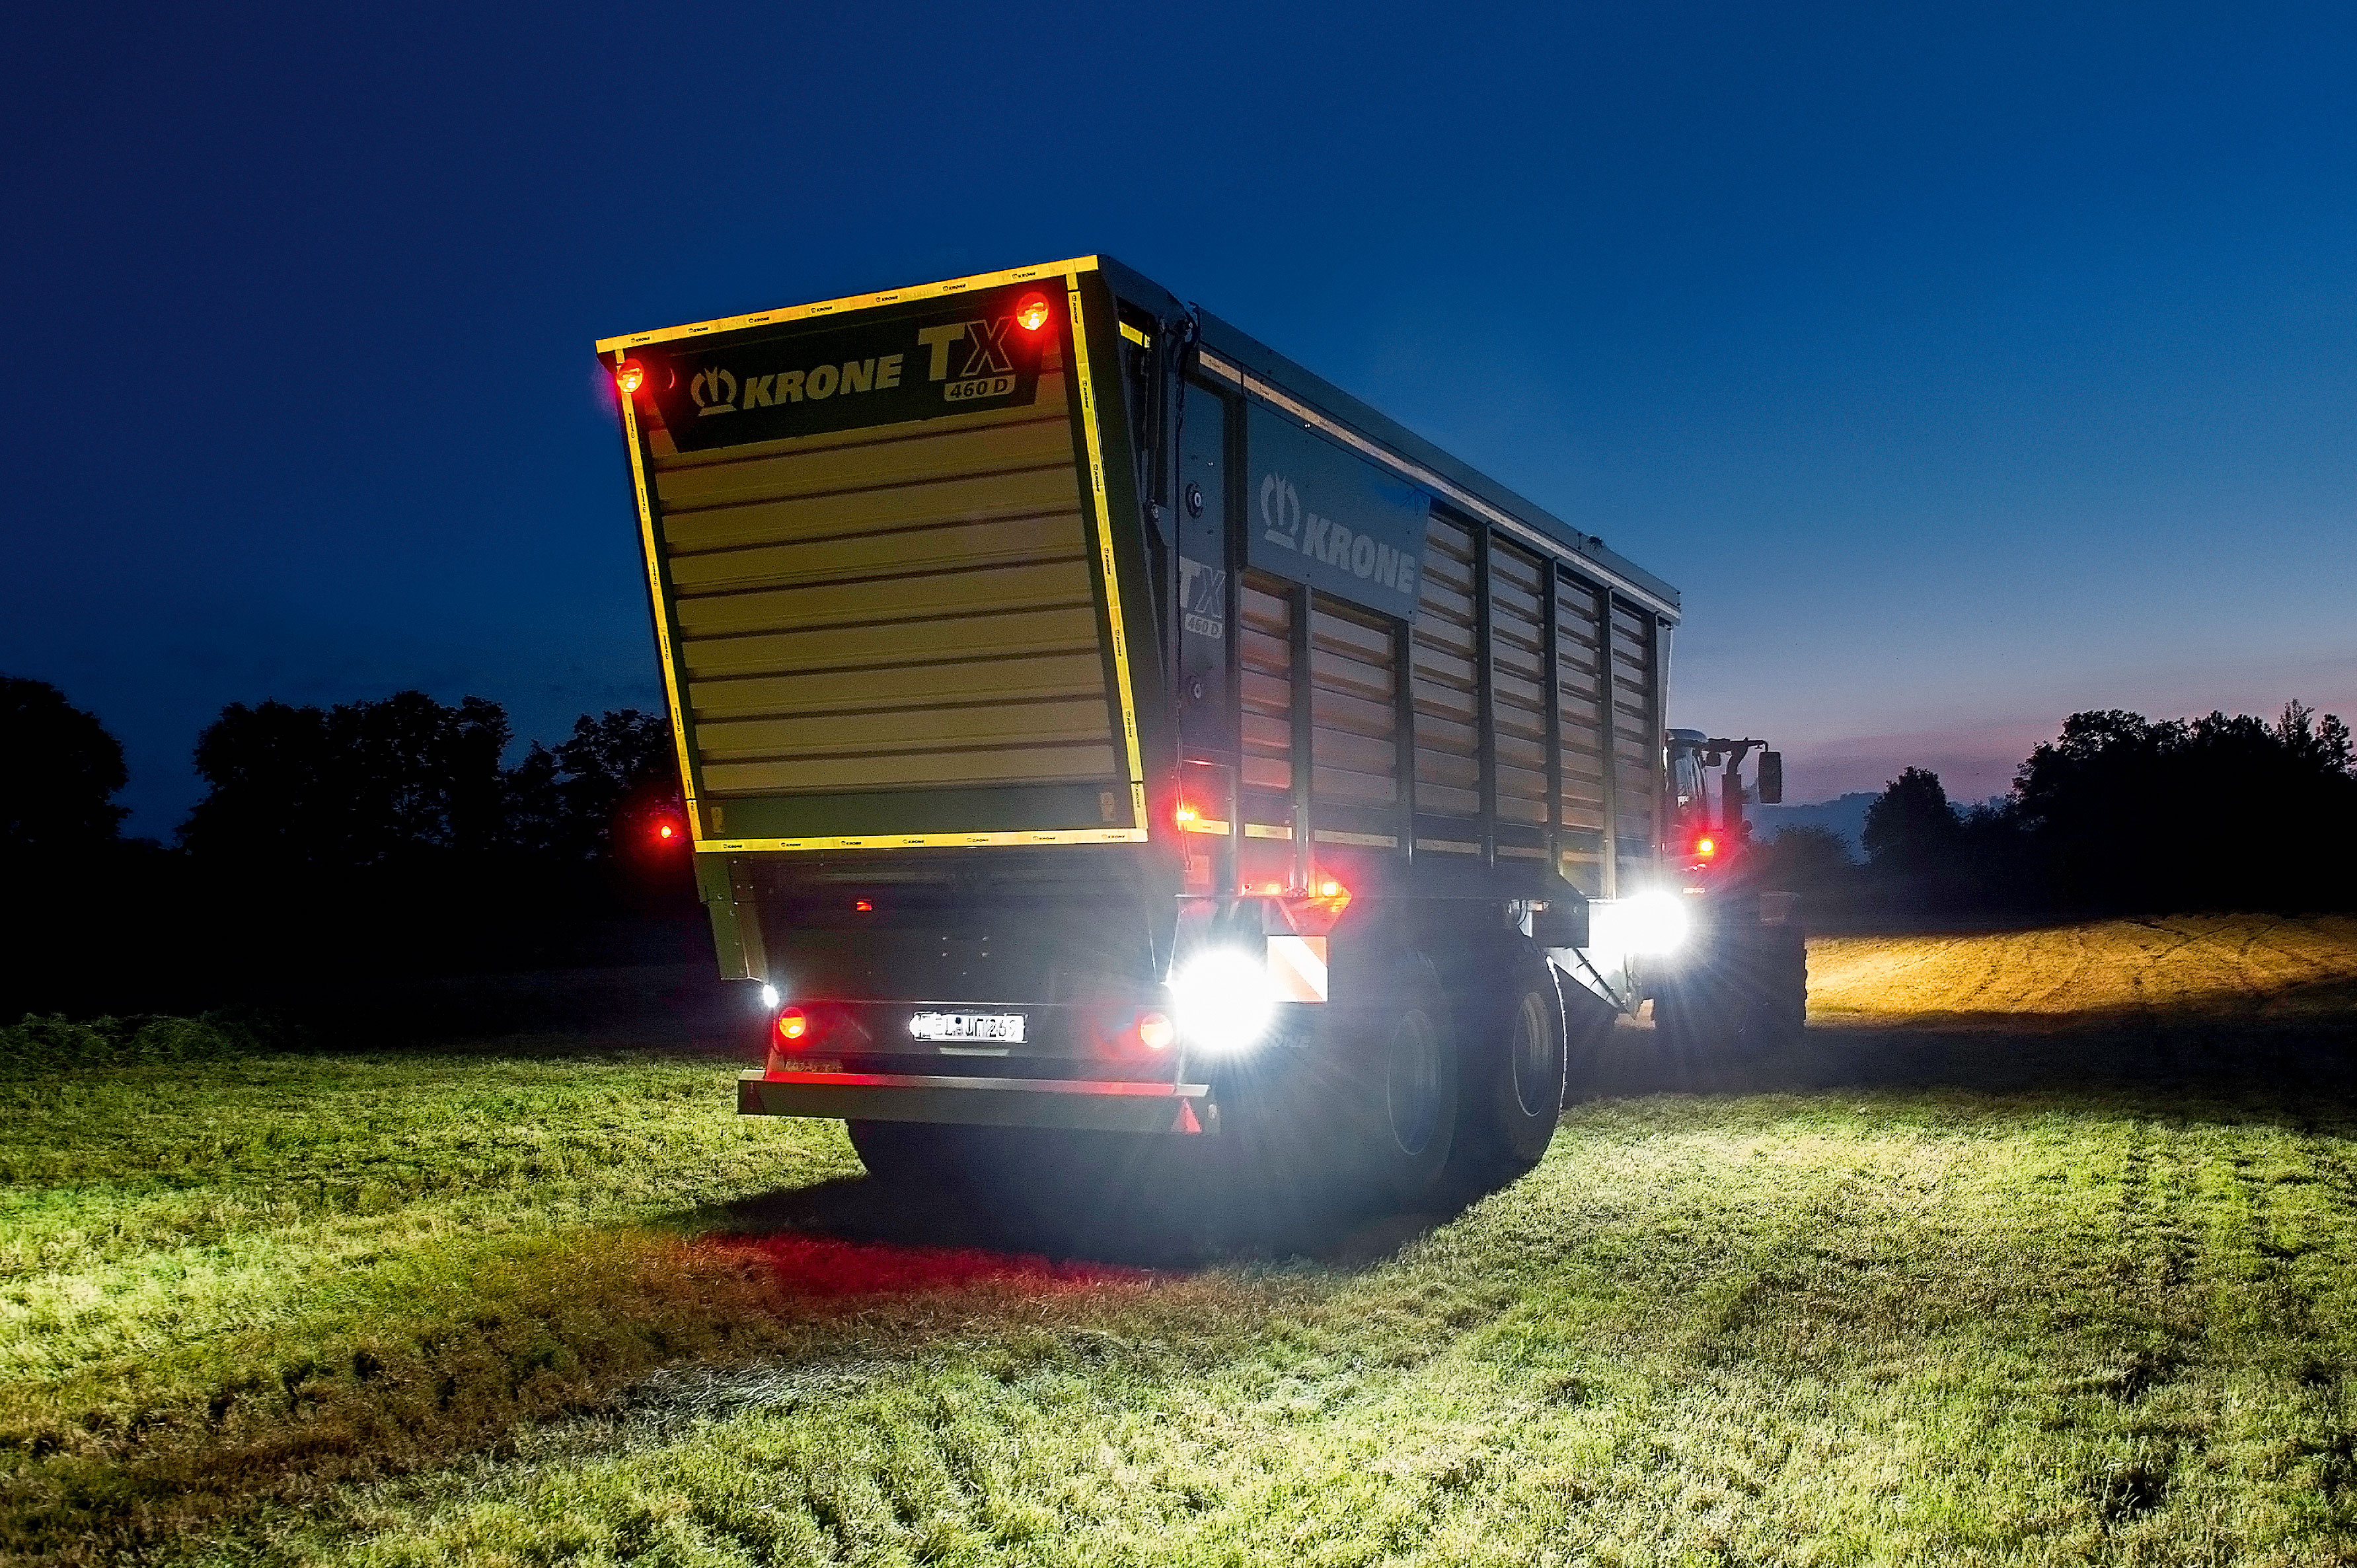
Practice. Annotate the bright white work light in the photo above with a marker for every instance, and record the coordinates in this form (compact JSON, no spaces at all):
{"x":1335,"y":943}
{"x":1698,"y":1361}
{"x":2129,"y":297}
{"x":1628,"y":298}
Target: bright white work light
{"x":769,"y":997}
{"x":1224,"y":999}
{"x":1654,"y":922}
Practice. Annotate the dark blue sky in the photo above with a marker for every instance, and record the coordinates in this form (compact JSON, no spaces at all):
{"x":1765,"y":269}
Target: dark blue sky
{"x":1964,"y":366}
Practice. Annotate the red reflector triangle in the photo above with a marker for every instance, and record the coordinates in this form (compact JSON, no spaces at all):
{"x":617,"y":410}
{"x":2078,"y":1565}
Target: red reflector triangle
{"x":1186,"y":1122}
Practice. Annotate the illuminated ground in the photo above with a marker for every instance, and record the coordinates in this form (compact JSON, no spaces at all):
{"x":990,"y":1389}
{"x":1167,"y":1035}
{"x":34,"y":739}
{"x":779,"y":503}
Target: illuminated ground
{"x":2044,"y":1249}
{"x":2185,"y":971}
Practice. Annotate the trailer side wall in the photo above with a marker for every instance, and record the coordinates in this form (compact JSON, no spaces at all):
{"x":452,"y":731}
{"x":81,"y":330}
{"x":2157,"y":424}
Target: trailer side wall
{"x":1506,"y":713}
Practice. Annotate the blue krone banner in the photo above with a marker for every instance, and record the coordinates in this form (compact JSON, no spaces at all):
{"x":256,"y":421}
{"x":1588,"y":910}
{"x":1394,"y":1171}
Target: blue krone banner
{"x":1321,"y":514}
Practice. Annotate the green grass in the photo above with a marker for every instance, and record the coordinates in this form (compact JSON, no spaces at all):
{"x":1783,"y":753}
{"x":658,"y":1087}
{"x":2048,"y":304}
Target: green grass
{"x":1914,"y":1328}
{"x":507,"y":1309}
{"x":224,"y":1278}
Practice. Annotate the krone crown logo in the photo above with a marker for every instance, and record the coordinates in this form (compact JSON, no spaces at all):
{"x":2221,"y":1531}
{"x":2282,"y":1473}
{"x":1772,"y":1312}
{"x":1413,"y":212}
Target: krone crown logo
{"x":705,"y":390}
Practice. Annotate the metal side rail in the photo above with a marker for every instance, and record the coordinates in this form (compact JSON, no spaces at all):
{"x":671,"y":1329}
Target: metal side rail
{"x":1098,"y":1105}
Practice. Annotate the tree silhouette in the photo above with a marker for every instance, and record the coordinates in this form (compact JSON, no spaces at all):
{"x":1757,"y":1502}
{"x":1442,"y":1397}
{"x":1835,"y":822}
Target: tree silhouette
{"x":1911,"y":830}
{"x":2215,"y":812}
{"x":607,"y":787}
{"x":63,"y":770}
{"x":363,"y":784}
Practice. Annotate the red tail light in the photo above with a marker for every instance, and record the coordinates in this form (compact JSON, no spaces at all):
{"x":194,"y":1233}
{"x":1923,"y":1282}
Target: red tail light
{"x":1706,"y":848}
{"x":1032,"y":314}
{"x":630,"y":376}
{"x":793,"y":1025}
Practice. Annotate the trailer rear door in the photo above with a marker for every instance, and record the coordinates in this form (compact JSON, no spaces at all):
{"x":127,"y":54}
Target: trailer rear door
{"x":882,"y":575}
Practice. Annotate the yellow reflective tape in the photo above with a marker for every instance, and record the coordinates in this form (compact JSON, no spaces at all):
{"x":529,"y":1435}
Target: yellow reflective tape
{"x":849,"y":303}
{"x":1105,"y":551}
{"x":663,"y":612}
{"x":1071,"y":270}
{"x":926,"y":841}
{"x":1135,"y":336}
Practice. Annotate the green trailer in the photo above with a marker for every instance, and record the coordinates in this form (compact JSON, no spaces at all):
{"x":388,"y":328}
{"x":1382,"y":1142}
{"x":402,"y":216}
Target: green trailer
{"x":1090,"y":720}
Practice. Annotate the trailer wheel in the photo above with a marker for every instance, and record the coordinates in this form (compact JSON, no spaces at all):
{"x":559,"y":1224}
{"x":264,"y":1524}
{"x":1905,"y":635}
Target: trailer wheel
{"x":1399,"y":1126}
{"x":1515,"y":1069}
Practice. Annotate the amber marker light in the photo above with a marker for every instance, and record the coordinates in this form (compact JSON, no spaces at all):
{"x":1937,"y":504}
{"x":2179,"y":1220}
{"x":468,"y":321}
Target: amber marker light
{"x":630,"y":376}
{"x":1032,"y":314}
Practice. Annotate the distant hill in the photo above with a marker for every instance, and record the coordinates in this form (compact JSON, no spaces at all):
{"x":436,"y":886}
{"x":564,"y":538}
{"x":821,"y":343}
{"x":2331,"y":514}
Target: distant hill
{"x":1845,"y":816}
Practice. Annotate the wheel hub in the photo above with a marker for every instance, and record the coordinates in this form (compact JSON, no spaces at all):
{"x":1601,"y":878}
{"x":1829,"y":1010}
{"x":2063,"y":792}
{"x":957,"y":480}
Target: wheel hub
{"x":1412,"y":1084}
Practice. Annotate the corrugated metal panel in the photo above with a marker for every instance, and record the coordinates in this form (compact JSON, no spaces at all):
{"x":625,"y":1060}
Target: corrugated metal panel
{"x":1636,"y":735}
{"x":904,"y":606}
{"x":1579,"y":727}
{"x":1444,"y":680}
{"x":1518,"y":697}
{"x":1354,"y":714}
{"x":1265,"y":648}
{"x":1265,"y":671}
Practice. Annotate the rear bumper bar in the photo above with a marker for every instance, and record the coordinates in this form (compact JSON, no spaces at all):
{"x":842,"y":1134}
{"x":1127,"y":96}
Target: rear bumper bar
{"x":1092,"y":1104}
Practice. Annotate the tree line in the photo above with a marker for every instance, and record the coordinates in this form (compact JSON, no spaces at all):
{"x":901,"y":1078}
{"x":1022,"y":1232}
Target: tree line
{"x":408,"y":780}
{"x":392,"y":838}
{"x":391,"y":835}
{"x":2118,"y":815}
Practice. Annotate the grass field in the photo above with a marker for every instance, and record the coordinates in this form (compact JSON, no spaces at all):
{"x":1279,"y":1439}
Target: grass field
{"x":2043,"y":1250}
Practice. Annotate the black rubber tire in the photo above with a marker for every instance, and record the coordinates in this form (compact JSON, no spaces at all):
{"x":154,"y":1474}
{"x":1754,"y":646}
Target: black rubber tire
{"x":1771,"y":997}
{"x":1781,"y":1011}
{"x":1513,"y":1059}
{"x":1396,"y":1126}
{"x":1749,"y":1000}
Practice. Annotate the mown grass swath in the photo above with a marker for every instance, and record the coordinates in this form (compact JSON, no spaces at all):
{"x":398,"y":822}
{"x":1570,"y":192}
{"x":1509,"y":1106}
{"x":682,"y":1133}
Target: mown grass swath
{"x":524,"y":1308}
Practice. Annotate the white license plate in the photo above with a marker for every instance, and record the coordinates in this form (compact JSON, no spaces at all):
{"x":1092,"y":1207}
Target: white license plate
{"x":995,"y":1027}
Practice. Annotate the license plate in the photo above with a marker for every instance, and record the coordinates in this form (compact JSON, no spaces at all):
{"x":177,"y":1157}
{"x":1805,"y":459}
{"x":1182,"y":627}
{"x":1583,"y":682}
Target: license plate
{"x":998,"y":1028}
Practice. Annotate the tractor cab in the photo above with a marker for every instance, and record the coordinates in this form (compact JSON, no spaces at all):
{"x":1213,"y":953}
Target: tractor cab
{"x":1704,"y":836}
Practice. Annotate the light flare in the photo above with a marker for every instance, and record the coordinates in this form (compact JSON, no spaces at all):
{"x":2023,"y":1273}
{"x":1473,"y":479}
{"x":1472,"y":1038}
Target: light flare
{"x":1224,"y":999}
